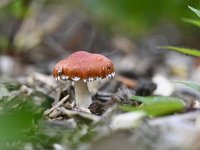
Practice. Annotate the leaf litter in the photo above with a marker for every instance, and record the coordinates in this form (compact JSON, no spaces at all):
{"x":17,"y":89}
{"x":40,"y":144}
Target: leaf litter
{"x":61,"y":127}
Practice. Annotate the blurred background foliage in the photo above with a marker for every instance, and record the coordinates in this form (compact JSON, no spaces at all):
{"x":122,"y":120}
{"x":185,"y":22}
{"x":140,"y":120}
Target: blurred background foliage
{"x":126,"y":17}
{"x":139,"y":17}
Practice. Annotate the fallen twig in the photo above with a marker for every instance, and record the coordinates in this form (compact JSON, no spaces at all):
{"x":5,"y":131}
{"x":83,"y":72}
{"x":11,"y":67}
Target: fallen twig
{"x":56,"y":105}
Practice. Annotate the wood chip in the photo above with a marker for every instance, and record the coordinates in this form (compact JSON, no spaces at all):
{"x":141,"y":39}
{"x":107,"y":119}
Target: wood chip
{"x":126,"y":81}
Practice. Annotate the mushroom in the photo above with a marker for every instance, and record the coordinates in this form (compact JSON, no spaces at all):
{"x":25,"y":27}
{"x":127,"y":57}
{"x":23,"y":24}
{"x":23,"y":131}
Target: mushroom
{"x":82,"y":67}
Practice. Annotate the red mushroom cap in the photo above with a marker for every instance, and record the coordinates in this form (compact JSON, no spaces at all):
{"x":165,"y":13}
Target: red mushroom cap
{"x":85,"y":66}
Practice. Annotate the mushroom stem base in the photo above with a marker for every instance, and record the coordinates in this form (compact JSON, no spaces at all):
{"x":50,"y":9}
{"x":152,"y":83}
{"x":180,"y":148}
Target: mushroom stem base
{"x":82,"y":95}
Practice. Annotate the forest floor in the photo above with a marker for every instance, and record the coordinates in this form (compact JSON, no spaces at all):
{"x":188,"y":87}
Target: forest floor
{"x":148,"y":105}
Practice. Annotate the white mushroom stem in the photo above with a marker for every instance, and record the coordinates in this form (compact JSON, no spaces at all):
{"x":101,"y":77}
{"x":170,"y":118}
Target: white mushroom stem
{"x":82,"y":95}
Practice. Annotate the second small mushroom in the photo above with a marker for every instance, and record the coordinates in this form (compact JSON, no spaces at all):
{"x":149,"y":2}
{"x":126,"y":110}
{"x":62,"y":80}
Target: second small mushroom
{"x":82,"y":67}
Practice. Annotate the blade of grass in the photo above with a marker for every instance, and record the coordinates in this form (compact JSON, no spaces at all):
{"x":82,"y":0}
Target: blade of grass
{"x":192,"y":21}
{"x":196,"y":11}
{"x":194,"y":86}
{"x":187,"y":51}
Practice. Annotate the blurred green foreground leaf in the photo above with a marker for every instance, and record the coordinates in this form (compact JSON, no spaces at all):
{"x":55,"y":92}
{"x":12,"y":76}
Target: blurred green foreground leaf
{"x":19,"y":116}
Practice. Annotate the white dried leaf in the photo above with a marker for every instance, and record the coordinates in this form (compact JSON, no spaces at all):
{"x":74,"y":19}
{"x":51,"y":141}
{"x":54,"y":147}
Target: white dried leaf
{"x":126,"y":120}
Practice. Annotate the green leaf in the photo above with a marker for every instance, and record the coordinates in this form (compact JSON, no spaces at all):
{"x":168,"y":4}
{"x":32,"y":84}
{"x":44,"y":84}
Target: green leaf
{"x":196,"y":11}
{"x":187,"y":51}
{"x":194,"y":86}
{"x":157,"y":108}
{"x":156,"y":105}
{"x":154,"y":99}
{"x":192,"y":21}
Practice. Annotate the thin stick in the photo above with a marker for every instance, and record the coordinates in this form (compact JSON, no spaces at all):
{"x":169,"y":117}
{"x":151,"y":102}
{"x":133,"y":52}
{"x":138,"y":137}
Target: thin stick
{"x":56,"y":105}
